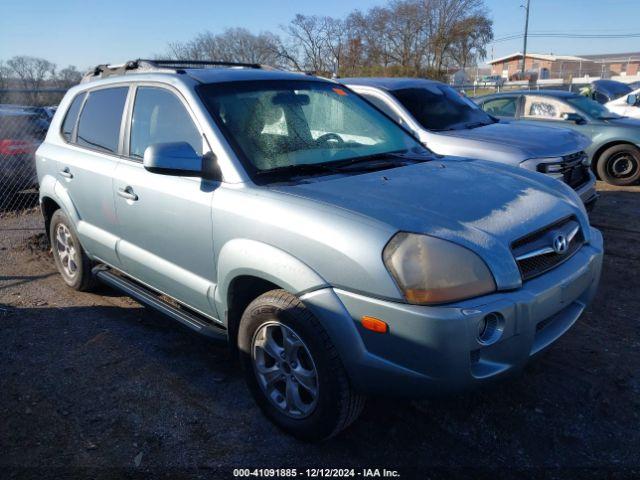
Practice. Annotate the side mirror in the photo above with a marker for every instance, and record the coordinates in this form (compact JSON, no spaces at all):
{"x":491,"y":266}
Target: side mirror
{"x":633,"y":99}
{"x":176,"y":158}
{"x":573,"y":117}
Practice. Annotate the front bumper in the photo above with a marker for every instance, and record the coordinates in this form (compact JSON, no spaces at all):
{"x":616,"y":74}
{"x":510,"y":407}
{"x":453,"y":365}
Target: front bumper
{"x":433,"y":350}
{"x":587,"y":192}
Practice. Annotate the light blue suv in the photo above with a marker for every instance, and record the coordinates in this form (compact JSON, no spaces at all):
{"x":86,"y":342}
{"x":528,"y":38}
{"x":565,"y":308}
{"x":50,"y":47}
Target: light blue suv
{"x":286,"y":215}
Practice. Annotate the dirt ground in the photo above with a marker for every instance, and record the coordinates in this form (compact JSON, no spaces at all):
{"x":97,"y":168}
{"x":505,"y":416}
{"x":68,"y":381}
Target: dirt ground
{"x":96,"y":385}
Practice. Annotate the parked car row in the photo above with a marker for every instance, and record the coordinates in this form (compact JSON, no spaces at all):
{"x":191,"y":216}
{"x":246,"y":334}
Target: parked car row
{"x":21,"y":132}
{"x":451,"y":124}
{"x":614,"y":152}
{"x":309,"y":224}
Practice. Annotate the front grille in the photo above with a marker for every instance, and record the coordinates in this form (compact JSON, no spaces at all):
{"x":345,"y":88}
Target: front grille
{"x":571,"y":170}
{"x":535,"y":252}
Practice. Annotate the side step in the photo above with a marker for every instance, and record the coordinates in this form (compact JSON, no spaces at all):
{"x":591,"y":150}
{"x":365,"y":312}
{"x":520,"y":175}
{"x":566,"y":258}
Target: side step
{"x":153,"y":300}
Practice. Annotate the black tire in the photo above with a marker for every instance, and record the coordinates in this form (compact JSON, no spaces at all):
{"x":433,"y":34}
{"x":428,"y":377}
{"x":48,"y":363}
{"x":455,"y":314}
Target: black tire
{"x":619,"y":165}
{"x":336,"y":404}
{"x":81,"y":279}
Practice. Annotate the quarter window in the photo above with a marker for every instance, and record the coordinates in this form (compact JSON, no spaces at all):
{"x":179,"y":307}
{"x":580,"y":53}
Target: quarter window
{"x":72,"y":117}
{"x":100,"y":120}
{"x":160,"y":117}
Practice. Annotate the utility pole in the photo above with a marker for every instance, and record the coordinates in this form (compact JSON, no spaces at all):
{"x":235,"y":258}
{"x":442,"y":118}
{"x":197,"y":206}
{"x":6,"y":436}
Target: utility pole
{"x":526,"y":31}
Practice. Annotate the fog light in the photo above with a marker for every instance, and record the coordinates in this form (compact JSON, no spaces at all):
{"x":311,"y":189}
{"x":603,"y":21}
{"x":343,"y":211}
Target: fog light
{"x":490,"y":328}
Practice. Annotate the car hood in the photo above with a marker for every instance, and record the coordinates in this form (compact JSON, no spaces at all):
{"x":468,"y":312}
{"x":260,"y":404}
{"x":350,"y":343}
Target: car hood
{"x":530,"y":140}
{"x":624,"y":122}
{"x":481,"y":205}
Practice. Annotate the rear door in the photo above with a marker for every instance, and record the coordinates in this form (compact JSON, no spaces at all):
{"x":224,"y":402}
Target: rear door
{"x":165,"y":221}
{"x":87,"y":167}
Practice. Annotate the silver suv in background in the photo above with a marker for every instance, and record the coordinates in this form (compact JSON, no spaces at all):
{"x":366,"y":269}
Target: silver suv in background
{"x":449,"y":123}
{"x":286,"y":215}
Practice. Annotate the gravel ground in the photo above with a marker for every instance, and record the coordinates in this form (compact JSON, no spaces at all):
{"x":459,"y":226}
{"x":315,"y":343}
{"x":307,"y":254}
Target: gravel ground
{"x":94,"y":385}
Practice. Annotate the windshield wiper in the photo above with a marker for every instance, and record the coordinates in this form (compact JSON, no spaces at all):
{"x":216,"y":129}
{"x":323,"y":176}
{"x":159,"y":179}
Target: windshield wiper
{"x":381,"y":160}
{"x":376,"y":161}
{"x":471,"y":125}
{"x":298,"y":169}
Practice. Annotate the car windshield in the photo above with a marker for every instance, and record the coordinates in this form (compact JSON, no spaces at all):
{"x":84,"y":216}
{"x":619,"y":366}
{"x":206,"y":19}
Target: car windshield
{"x":591,"y":107}
{"x":439,"y":107}
{"x":275,"y":125}
{"x":612,"y":88}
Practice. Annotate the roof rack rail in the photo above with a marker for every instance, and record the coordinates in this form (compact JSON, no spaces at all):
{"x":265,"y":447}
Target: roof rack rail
{"x":144,"y":65}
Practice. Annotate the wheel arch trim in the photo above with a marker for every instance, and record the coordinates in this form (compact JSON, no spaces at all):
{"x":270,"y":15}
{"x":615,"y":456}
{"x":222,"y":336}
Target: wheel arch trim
{"x":244,"y":257}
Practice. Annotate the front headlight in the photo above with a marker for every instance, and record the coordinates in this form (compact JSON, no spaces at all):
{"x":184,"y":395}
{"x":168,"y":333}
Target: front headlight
{"x":429,"y":270}
{"x":550,"y":166}
{"x":537,"y":164}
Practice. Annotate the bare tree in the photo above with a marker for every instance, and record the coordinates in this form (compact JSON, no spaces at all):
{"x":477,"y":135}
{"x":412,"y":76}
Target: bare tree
{"x":404,"y":37}
{"x":307,"y":43}
{"x":68,"y":77}
{"x":240,"y":45}
{"x":32,"y":73}
{"x":4,"y":80}
{"x":232,"y":45}
{"x":471,"y":37}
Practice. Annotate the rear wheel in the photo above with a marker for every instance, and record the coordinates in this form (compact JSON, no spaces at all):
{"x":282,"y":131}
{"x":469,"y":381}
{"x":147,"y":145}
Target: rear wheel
{"x":71,"y":260}
{"x":620,"y":165}
{"x":293,"y":370}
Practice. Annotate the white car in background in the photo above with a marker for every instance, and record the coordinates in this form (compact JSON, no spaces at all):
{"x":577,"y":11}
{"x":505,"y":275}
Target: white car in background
{"x":627,"y":105}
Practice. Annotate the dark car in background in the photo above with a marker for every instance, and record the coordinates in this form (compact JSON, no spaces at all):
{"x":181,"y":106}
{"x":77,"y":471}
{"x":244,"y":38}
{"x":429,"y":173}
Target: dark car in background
{"x":615,"y":148}
{"x":603,"y":91}
{"x":21,"y":132}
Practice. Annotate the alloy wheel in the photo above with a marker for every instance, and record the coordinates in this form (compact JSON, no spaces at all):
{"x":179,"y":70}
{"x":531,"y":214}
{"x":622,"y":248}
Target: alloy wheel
{"x":67,"y":252}
{"x":285,"y":369}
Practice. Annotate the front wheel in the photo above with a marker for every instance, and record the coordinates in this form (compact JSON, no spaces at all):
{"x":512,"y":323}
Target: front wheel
{"x":620,"y":165}
{"x":293,"y":370}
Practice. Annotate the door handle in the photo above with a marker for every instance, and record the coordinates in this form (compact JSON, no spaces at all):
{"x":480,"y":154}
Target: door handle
{"x":127,"y":193}
{"x":66,"y":173}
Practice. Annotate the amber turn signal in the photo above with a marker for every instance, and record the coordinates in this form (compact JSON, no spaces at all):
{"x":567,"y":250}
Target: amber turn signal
{"x":374,"y":324}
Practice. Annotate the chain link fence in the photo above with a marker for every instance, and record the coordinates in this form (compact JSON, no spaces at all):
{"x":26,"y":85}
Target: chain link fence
{"x":25,"y":116}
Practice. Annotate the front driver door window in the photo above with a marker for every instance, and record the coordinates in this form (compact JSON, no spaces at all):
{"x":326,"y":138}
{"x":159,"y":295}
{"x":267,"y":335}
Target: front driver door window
{"x":160,"y":117}
{"x":167,"y":232}
{"x":502,"y":107}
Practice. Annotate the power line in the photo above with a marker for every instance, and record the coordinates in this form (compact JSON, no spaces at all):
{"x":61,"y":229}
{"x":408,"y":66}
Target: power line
{"x":567,"y":35}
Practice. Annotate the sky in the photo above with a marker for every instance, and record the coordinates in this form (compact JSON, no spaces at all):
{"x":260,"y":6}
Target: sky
{"x":89,"y":32}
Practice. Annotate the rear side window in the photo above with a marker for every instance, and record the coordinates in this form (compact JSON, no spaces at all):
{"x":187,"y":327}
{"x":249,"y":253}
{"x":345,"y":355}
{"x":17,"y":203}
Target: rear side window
{"x":72,"y":116}
{"x":99,"y":126}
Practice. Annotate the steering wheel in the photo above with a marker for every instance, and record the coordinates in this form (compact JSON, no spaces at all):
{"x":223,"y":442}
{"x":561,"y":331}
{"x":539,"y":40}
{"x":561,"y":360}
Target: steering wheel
{"x":329,"y":137}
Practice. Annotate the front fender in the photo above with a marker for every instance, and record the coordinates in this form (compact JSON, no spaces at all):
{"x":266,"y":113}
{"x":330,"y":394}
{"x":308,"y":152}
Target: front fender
{"x":243,"y":257}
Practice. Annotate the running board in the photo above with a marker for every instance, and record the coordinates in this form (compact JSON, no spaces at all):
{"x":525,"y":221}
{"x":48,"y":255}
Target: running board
{"x":151,"y":299}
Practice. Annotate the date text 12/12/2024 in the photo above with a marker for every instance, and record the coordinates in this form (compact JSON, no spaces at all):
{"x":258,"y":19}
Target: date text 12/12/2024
{"x":316,"y":473}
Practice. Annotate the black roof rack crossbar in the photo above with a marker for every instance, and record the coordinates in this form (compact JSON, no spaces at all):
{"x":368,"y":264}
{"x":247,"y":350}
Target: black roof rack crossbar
{"x":197,"y":63}
{"x":142,"y":65}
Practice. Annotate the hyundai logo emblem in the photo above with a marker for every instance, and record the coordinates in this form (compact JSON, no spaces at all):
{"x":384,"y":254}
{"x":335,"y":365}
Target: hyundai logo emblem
{"x":560,"y":244}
